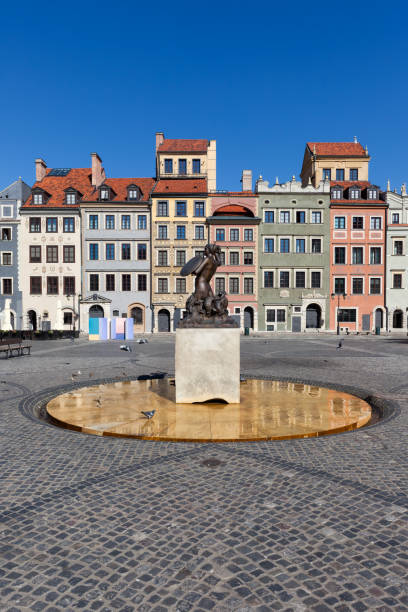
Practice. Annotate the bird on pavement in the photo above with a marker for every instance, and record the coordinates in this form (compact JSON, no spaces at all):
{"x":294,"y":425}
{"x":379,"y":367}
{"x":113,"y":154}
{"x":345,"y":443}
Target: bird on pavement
{"x":340,"y":344}
{"x":148,"y":413}
{"x":125,"y":347}
{"x":75,"y":375}
{"x":142,"y":341}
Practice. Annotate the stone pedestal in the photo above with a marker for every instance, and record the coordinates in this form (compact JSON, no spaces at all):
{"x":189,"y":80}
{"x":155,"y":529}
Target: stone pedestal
{"x":207,"y":365}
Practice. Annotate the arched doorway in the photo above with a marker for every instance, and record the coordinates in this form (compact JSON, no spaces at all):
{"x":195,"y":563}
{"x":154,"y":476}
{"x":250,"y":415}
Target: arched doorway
{"x":32,"y":319}
{"x":249,"y":317}
{"x":379,"y":318}
{"x":313,"y":316}
{"x":137,"y":315}
{"x":163,"y":320}
{"x":397,"y":319}
{"x":96,"y":312}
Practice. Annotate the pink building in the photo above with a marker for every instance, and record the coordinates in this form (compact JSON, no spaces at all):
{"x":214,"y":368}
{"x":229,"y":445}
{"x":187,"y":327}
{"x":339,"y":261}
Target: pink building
{"x":233,"y":225}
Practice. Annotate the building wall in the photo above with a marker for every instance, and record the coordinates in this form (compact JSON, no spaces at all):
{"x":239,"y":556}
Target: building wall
{"x":292,"y":301}
{"x":397,"y":230}
{"x":208,"y":164}
{"x":315,"y":168}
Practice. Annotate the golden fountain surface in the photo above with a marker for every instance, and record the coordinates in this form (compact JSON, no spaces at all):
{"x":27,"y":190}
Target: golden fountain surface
{"x":268,"y":410}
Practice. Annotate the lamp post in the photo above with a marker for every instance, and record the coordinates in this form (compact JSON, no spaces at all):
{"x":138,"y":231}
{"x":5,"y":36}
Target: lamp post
{"x":338,"y":308}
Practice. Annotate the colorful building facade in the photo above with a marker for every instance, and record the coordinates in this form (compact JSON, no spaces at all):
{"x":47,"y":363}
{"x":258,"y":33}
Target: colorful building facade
{"x":397,"y":261}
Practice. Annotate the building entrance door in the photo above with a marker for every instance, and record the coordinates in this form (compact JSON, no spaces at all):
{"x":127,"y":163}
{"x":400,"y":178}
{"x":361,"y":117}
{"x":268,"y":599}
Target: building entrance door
{"x":249,"y":317}
{"x":137,"y":315}
{"x":366,"y":322}
{"x":379,"y":318}
{"x":313,"y":316}
{"x":296,"y":324}
{"x":163,"y":320}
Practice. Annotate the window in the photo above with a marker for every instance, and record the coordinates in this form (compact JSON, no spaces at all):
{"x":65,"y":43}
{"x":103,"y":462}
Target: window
{"x":182,"y":166}
{"x":269,"y":245}
{"x":125,"y":222}
{"x":353,"y":174}
{"x":284,"y":216}
{"x":375,"y":223}
{"x":180,"y":285}
{"x":69,"y":285}
{"x":7,"y":211}
{"x":94,"y":282}
{"x":346,"y":315}
{"x":162,"y":285}
{"x":339,"y":255}
{"x":340,"y":286}
{"x":168,"y":166}
{"x":375,"y":255}
{"x":110,"y":282}
{"x":234,"y":258}
{"x":35,"y":285}
{"x":269,"y":216}
{"x":326,"y":174}
{"x":234,"y":285}
{"x":219,"y":285}
{"x":222,"y":258}
{"x":70,"y":198}
{"x":180,"y":258}
{"x":395,"y":218}
{"x":6,"y":231}
{"x":162,"y":232}
{"x":300,"y":216}
{"x":300,"y":280}
{"x":141,"y":222}
{"x":93,"y":222}
{"x":398,"y":247}
{"x":316,"y":245}
{"x":284,"y":278}
{"x":142,"y":282}
{"x":7,"y":286}
{"x":268,"y":279}
{"x":110,"y":251}
{"x":357,"y":286}
{"x":94,"y":251}
{"x":220,"y":235}
{"x":358,"y":222}
{"x":354,"y":194}
{"x":280,"y":315}
{"x":181,"y":232}
{"x":67,"y":318}
{"x":6,"y":259}
{"x":116,"y":313}
{"x":248,"y":235}
{"x":339,"y":174}
{"x":271,"y":316}
{"x":52,"y":285}
{"x":372,"y":194}
{"x":133,"y":193}
{"x":104,"y":193}
{"x":199,"y":232}
{"x":35,"y":254}
{"x":339,"y":222}
{"x":162,"y":258}
{"x":52,"y":224}
{"x":336,"y":194}
{"x":196,"y":166}
{"x":234,"y":235}
{"x":397,"y":281}
{"x":316,"y":280}
{"x":162,"y":209}
{"x":284,"y":245}
{"x":38,"y":198}
{"x":52,"y":254}
{"x":126,"y":251}
{"x":68,"y":225}
{"x":125,"y":282}
{"x":375,"y":285}
{"x":248,"y":258}
{"x":248,"y":285}
{"x":68,"y":253}
{"x":316,"y":216}
{"x":142,"y":251}
{"x":357,"y":255}
{"x":300,"y":245}
{"x":199,"y":209}
{"x":181,"y":209}
{"x":110,"y":222}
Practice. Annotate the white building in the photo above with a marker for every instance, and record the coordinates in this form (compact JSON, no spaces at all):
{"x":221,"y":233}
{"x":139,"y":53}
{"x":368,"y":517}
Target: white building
{"x":397,"y":260}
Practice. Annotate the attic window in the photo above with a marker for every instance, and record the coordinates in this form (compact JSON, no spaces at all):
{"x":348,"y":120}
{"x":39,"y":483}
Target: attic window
{"x":372,"y":194}
{"x":354,"y":193}
{"x":38,"y":198}
{"x":336,"y":193}
{"x":104,"y":194}
{"x":133,"y":193}
{"x":71,"y":197}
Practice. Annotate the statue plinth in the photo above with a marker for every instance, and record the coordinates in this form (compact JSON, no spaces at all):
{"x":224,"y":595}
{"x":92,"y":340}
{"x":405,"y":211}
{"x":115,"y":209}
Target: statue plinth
{"x":207,"y":364}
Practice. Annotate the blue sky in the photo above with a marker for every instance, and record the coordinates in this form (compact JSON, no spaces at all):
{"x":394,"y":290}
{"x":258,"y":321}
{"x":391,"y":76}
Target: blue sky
{"x":261,"y":78}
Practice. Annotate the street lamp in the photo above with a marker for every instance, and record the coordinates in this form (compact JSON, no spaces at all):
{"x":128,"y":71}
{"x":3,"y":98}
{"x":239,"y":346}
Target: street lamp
{"x":338,"y":308}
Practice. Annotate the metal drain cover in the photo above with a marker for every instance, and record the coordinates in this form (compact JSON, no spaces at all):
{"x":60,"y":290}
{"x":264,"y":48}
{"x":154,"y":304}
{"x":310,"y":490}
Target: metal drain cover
{"x":211,"y":462}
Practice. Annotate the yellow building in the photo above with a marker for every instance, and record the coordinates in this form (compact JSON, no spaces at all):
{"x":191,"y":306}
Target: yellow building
{"x":334,"y":161}
{"x":186,"y":172}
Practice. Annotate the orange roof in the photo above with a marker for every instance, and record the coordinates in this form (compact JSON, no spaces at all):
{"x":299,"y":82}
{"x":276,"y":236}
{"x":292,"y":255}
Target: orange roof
{"x":234,"y":209}
{"x":120,"y":185}
{"x":340,"y":149}
{"x":182,"y":145}
{"x":181,"y":186}
{"x":77,"y":178}
{"x":363,"y":186}
{"x":345,"y":184}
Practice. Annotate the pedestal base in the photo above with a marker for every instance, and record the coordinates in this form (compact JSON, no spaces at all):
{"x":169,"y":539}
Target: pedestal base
{"x":207,"y":365}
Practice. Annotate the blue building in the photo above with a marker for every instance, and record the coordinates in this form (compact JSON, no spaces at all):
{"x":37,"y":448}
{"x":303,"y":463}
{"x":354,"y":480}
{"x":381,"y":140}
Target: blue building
{"x":11,"y":198}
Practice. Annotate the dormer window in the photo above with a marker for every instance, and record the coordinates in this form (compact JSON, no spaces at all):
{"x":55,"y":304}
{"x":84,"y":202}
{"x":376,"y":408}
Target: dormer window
{"x":372,"y":194}
{"x":104,"y":193}
{"x":354,"y":193}
{"x":133,"y":192}
{"x":336,"y":193}
{"x":38,"y":198}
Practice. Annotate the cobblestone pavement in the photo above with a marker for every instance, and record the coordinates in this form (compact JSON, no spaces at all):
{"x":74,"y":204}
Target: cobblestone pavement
{"x":113,"y":524}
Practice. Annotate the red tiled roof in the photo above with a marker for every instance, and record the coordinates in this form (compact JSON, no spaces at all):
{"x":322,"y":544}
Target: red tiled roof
{"x":363,"y":186}
{"x":341,"y":149}
{"x":78,"y":178}
{"x":345,"y":184}
{"x":181,"y":186}
{"x":183,"y":145}
{"x":120,"y":185}
{"x":234,"y":209}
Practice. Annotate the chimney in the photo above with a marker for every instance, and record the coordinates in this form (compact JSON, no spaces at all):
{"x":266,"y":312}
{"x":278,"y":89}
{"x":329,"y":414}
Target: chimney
{"x":40,"y":169}
{"x":246,"y":180}
{"x":159,"y":139}
{"x":98,"y":173}
{"x":355,"y":140}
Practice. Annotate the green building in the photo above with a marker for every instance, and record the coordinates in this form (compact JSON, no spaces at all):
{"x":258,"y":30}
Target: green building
{"x":293,"y":256}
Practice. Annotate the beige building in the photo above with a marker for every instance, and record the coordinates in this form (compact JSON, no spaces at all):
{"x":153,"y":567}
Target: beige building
{"x":334,"y":161}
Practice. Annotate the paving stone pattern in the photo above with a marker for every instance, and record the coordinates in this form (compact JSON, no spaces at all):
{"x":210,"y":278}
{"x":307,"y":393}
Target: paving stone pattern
{"x":93,"y":523}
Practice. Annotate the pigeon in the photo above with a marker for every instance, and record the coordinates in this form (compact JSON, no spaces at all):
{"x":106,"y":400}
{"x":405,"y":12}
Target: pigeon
{"x":340,"y":344}
{"x":125,"y":347}
{"x":98,"y":402}
{"x":148,"y":413}
{"x":142,"y":341}
{"x":75,"y":375}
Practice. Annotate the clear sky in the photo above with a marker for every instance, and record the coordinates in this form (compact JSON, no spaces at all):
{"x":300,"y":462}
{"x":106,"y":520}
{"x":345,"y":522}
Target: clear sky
{"x":262,"y":78}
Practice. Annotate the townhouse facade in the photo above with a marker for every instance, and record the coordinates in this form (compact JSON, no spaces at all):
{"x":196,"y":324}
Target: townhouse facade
{"x":11,"y":307}
{"x":293,"y":256}
{"x":397,"y":261}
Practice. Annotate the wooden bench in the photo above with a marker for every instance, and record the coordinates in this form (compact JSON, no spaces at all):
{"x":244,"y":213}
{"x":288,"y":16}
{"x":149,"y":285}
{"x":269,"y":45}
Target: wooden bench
{"x":13,"y":348}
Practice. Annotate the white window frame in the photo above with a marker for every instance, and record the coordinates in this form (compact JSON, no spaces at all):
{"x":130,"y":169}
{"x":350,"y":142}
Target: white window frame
{"x":274,"y":244}
{"x":273,"y":270}
{"x":340,"y":246}
{"x":225,"y":234}
{"x":6,"y":253}
{"x":321,"y":277}
{"x":89,"y":221}
{"x":276,"y":308}
{"x":237,"y":229}
{"x":273,"y":210}
{"x":358,"y":246}
{"x":230,"y":251}
{"x":306,"y":244}
{"x":290,"y":245}
{"x":340,"y":229}
{"x":175,"y":255}
{"x":9,"y":227}
{"x":374,"y":246}
{"x":157,"y":284}
{"x":284,"y":211}
{"x":168,"y":258}
{"x":176,"y":278}
{"x":3,"y":278}
{"x":3,"y":213}
{"x":99,"y":280}
{"x":399,"y":217}
{"x":278,"y":271}
{"x":394,"y":240}
{"x":393,"y":273}
{"x":319,"y":212}
{"x":376,"y":229}
{"x":294,"y":278}
{"x":321,"y":238}
{"x":168,"y":233}
{"x":233,"y":276}
{"x":343,"y":276}
{"x":351,"y":284}
{"x":303,"y":210}
{"x":381,"y":284}
{"x":196,"y":225}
